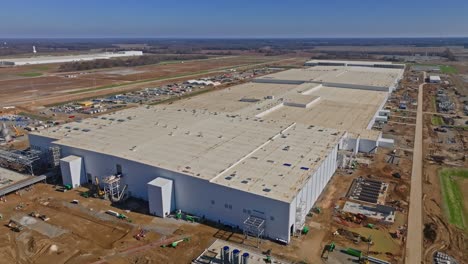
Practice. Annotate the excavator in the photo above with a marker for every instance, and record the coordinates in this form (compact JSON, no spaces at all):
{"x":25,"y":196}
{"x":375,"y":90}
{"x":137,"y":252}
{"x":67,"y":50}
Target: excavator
{"x":18,"y":133}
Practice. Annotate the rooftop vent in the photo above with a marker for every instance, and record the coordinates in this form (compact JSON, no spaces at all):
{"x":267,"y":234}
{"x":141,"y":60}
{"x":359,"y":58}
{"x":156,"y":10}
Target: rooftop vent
{"x":287,"y":164}
{"x":304,"y":168}
{"x":228,"y":178}
{"x":267,"y":190}
{"x":244,"y":182}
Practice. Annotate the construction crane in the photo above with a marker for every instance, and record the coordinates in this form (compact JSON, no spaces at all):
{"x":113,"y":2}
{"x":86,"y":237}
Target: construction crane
{"x":99,"y":192}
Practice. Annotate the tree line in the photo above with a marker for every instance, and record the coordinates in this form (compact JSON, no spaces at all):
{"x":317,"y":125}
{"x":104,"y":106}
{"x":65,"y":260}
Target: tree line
{"x":126,"y":62}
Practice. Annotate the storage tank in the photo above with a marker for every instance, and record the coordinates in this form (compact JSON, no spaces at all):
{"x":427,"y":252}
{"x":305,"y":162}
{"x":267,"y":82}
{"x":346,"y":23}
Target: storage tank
{"x":235,"y":256}
{"x":245,"y":258}
{"x":225,"y":255}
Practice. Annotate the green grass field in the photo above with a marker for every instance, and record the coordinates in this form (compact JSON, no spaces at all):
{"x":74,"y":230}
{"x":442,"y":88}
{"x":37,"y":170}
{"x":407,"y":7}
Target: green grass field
{"x":437,"y":120}
{"x":453,"y":195}
{"x":448,"y":69}
{"x":443,"y":68}
{"x":30,"y":74}
{"x":42,"y":67}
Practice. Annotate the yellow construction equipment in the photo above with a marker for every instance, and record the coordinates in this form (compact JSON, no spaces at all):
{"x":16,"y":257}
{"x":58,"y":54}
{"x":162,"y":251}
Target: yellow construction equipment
{"x":18,"y":133}
{"x":99,"y":192}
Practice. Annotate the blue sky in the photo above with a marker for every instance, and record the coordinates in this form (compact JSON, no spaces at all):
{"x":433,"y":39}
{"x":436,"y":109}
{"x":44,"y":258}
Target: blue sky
{"x":233,"y":18}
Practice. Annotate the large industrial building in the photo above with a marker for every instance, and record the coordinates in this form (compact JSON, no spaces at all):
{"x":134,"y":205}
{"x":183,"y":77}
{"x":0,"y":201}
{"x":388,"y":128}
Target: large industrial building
{"x":254,"y":156}
{"x":67,"y":58}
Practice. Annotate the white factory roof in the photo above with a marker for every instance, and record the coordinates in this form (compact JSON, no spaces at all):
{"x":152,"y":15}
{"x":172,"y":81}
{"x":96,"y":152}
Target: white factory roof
{"x":369,"y":63}
{"x":340,"y":108}
{"x":70,"y":58}
{"x":434,"y":78}
{"x":208,"y":145}
{"x":367,"y":76}
{"x":298,"y":98}
{"x":345,"y":109}
{"x":245,"y":144}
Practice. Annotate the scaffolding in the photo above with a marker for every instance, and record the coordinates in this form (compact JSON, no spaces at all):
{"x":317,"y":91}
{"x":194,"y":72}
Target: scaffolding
{"x":301,"y":212}
{"x":112,"y":188}
{"x":20,"y":160}
{"x":255,"y":227}
{"x":54,"y":157}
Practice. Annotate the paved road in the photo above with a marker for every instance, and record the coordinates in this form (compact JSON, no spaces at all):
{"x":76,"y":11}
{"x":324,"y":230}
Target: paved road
{"x":414,"y":242}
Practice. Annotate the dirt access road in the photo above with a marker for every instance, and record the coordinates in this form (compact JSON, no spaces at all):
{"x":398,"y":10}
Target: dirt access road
{"x":414,"y":242}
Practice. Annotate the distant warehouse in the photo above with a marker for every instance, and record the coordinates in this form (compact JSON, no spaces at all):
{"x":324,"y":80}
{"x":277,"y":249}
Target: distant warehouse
{"x":435,"y":79}
{"x":67,"y":58}
{"x":255,"y":156}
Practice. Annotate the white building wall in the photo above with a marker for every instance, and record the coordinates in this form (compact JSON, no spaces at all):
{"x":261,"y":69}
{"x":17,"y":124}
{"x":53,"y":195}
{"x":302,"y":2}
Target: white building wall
{"x":40,"y":142}
{"x":357,"y":86}
{"x":314,"y":186}
{"x":204,"y":199}
{"x":386,"y":143}
{"x":161,"y":197}
{"x":71,"y":58}
{"x":366,"y":145}
{"x":194,"y":196}
{"x":350,"y":144}
{"x":72,"y":171}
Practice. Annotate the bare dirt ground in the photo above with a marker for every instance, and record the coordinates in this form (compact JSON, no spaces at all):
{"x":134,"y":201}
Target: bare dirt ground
{"x":100,"y":238}
{"x":448,"y":238}
{"x":83,"y":233}
{"x":55,"y":87}
{"x":440,"y":234}
{"x":385,"y":246}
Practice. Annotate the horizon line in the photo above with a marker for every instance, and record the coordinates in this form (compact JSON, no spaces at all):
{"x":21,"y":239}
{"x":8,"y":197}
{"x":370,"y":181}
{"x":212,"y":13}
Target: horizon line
{"x":238,"y":37}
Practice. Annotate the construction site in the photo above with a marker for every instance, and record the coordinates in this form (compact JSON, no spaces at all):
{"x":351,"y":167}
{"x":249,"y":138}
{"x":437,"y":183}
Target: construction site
{"x":292,"y":167}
